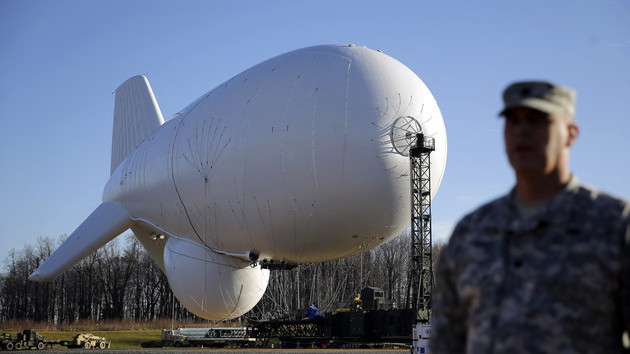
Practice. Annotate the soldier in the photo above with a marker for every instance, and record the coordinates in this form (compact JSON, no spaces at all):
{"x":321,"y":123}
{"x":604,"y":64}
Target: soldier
{"x":544,"y":269}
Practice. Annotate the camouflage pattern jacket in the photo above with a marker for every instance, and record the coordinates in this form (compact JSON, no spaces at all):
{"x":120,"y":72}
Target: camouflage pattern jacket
{"x":557,"y":282}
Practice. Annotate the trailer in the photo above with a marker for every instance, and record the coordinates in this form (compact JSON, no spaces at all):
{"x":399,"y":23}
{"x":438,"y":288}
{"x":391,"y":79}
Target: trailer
{"x":365,"y":322}
{"x":204,"y":337}
{"x":345,"y":329}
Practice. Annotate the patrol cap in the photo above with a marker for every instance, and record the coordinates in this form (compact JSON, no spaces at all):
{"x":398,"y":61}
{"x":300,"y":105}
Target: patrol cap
{"x":540,"y":95}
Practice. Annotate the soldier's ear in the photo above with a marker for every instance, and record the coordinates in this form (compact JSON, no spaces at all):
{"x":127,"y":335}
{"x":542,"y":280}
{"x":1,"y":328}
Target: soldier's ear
{"x":574,"y":131}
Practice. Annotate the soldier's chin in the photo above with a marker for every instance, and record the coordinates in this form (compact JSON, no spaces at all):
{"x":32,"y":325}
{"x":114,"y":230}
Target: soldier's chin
{"x":527,"y":166}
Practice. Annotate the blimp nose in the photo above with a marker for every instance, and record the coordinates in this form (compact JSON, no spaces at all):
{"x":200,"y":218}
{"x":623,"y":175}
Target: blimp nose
{"x":308,"y":155}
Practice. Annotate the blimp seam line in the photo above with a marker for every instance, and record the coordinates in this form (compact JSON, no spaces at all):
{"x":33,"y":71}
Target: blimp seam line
{"x":273,"y":234}
{"x":313,"y":157}
{"x":345,"y":123}
{"x":295,"y":227}
{"x":284,"y":133}
{"x":307,"y":233}
{"x":247,"y":119}
{"x":205,"y":235}
{"x":181,"y":123}
{"x":262,"y":221}
{"x":242,"y":222}
{"x":235,"y":301}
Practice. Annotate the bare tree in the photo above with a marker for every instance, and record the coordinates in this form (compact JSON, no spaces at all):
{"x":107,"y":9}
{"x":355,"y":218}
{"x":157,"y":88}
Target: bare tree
{"x":121,"y":281}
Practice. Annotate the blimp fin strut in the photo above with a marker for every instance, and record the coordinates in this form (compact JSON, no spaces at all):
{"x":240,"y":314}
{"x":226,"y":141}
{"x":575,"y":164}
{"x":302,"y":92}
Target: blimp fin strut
{"x":104,"y":224}
{"x":136,"y":117}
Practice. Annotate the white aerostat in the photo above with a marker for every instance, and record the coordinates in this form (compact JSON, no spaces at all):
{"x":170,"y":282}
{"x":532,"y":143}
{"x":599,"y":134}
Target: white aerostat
{"x":301,"y":158}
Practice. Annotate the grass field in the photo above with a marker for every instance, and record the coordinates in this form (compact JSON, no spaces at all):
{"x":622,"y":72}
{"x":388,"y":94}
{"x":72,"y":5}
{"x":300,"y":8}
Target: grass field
{"x":123,"y":334}
{"x":119,"y":339}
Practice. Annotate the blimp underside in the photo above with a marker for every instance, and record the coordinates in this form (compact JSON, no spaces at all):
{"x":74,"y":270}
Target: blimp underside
{"x":297,"y":159}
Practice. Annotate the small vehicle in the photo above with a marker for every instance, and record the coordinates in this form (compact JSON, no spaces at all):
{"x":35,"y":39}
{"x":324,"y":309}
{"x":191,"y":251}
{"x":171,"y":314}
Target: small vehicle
{"x":89,"y":341}
{"x":171,"y":338}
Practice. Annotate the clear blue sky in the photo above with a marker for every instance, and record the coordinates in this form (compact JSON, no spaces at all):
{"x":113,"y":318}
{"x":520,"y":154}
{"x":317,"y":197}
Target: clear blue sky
{"x":61,"y":60}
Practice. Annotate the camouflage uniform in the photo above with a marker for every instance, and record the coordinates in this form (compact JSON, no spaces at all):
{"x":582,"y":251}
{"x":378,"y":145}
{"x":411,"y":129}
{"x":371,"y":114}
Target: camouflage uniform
{"x":557,"y":282}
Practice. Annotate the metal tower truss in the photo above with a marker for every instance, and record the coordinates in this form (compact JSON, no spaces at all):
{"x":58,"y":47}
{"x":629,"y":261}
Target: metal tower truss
{"x":421,"y":274}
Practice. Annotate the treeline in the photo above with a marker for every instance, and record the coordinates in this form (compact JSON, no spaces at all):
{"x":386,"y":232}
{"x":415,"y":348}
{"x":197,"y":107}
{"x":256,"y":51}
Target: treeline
{"x":113,"y":283}
{"x":120,"y":281}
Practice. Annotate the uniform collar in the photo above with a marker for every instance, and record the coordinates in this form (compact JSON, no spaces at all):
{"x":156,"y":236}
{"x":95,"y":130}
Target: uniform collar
{"x":557,"y":211}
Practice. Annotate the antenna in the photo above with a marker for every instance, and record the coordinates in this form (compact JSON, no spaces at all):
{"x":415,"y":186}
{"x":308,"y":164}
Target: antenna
{"x":404,"y":134}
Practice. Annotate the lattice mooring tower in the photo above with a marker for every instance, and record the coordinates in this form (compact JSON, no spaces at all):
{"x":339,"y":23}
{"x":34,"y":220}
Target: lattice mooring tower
{"x":420,"y":287}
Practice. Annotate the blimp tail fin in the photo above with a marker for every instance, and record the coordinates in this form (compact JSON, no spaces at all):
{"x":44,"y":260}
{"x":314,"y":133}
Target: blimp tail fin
{"x":136,"y":117}
{"x":104,"y":224}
